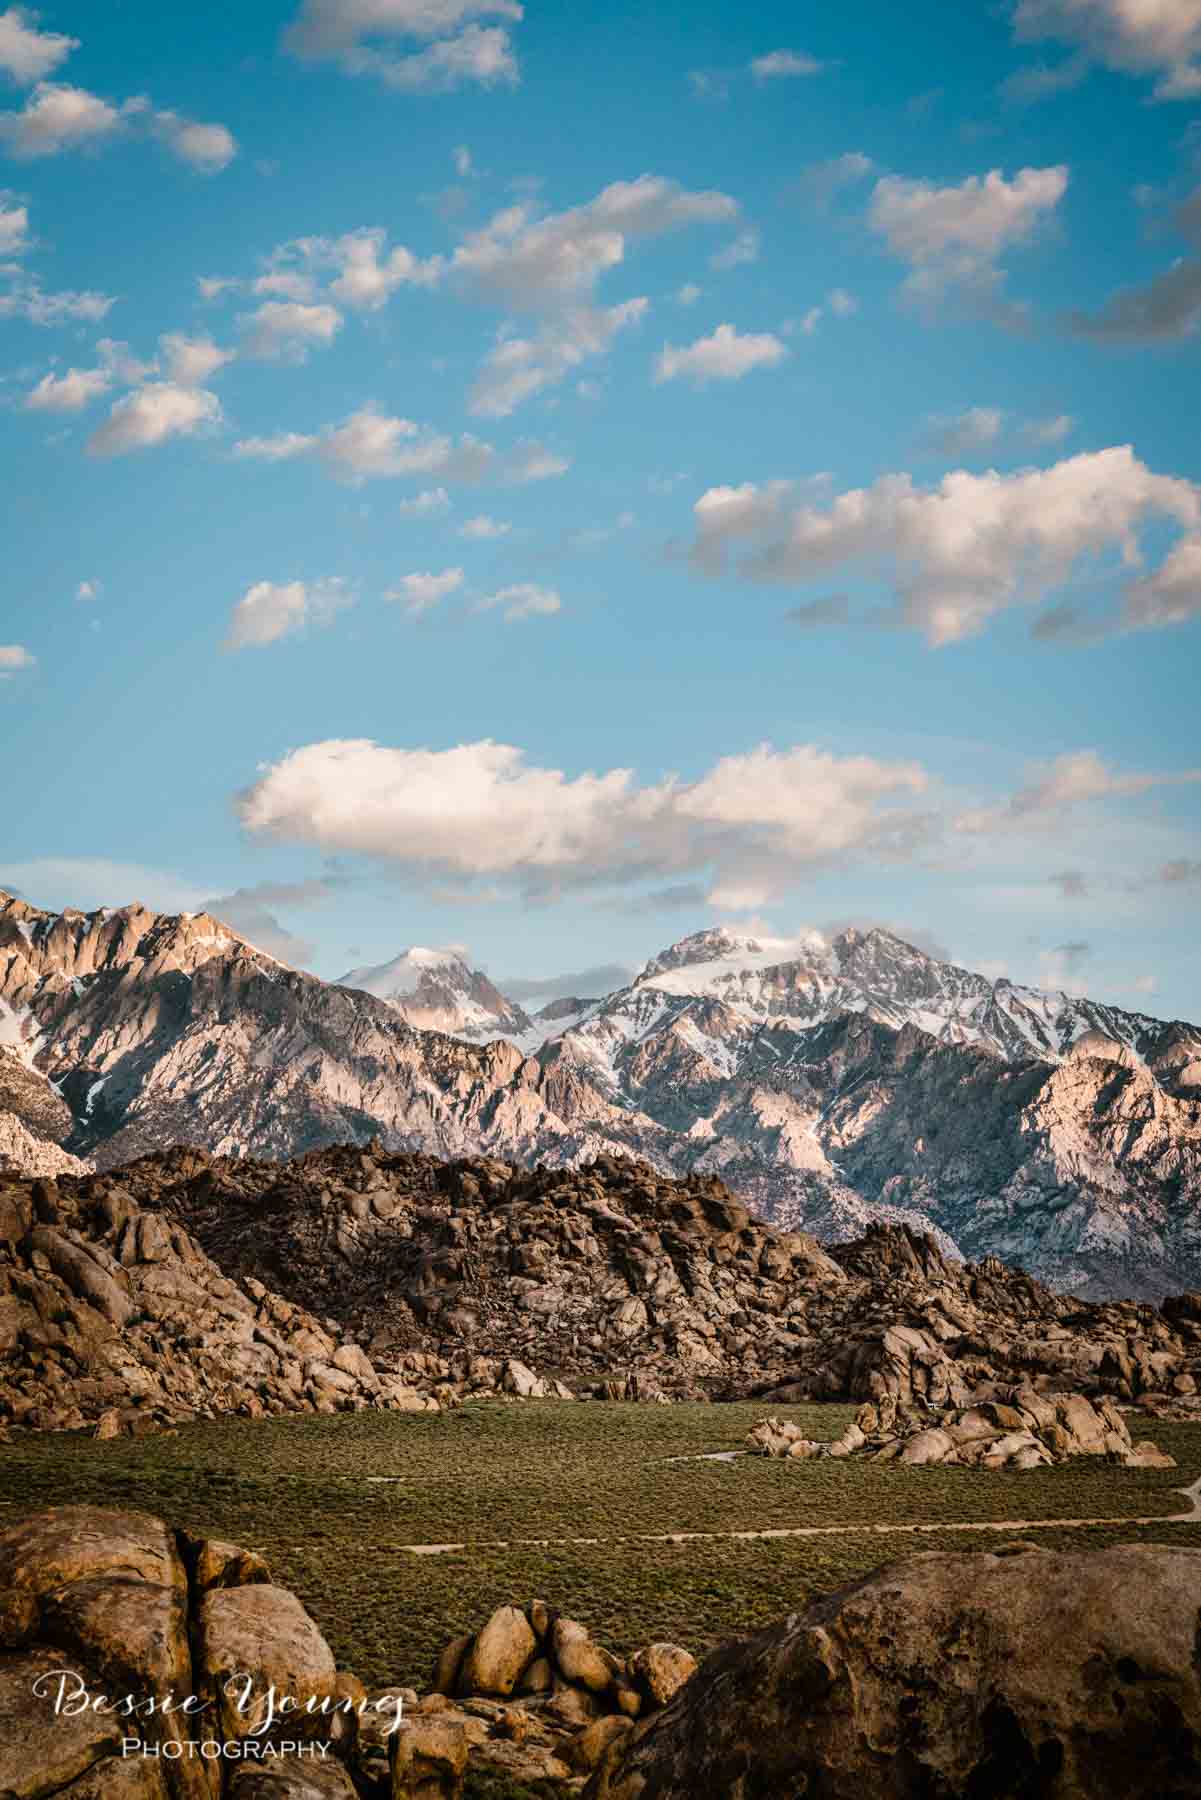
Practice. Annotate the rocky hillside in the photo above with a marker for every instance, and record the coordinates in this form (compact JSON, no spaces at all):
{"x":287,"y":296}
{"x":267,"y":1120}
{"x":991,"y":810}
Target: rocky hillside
{"x":347,"y":1277}
{"x":859,"y":1081}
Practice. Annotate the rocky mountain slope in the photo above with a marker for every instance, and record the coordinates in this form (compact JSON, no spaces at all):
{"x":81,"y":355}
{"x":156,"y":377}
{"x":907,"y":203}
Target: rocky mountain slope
{"x":856,"y":1080}
{"x":437,"y":990}
{"x":348,"y":1277}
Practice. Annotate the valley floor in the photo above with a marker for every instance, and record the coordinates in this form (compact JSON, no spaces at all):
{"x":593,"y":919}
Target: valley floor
{"x":578,"y":1504}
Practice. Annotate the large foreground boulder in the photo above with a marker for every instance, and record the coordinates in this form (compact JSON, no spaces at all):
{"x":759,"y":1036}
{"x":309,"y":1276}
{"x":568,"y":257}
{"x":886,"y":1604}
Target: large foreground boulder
{"x":1024,"y":1676}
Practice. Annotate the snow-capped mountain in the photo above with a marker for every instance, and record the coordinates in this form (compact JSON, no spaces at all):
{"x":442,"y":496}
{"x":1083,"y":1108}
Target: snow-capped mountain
{"x":829,"y":1082}
{"x":437,"y":990}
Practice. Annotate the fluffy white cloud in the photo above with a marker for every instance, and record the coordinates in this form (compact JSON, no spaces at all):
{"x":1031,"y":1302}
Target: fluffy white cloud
{"x":723,"y":356}
{"x":14,"y":660}
{"x":68,"y":393}
{"x":1060,"y":786}
{"x":28,"y":300}
{"x":57,"y":117}
{"x":286,"y":329}
{"x":206,"y":148}
{"x":482,"y":527}
{"x":523,"y":600}
{"x":421,"y":591}
{"x":525,"y":260}
{"x":271,"y":610}
{"x":27,"y":54}
{"x":481,"y":811}
{"x":366,"y":280}
{"x":192,"y":361}
{"x":784,"y":63}
{"x":370,"y":445}
{"x":1140,"y":37}
{"x":952,"y":237}
{"x":520,"y":367}
{"x":957,"y":553}
{"x":1171,"y":594}
{"x":151,"y":415}
{"x":14,"y":226}
{"x":462,"y":50}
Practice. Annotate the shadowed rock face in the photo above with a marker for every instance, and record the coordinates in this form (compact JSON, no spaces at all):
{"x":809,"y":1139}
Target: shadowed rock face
{"x":1030,"y":1676}
{"x":346,"y":1278}
{"x":859,"y":1080}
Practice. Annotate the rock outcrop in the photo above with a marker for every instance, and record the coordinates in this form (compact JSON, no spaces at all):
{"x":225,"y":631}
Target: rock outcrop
{"x":352,"y":1277}
{"x":967,"y":1677}
{"x":829,"y":1084}
{"x":1017,"y":1428}
{"x":114,"y":1316}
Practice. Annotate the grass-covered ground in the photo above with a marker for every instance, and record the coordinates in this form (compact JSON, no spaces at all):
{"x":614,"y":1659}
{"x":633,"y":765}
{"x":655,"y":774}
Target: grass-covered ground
{"x":332,"y":1501}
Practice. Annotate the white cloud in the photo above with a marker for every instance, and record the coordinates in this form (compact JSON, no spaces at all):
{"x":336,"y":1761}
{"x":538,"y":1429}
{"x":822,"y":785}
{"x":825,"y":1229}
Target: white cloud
{"x":430,"y":500}
{"x":742,"y":249}
{"x":784,"y":63}
{"x":1158,"y":311}
{"x":27,"y":54}
{"x":270,"y":610}
{"x":68,"y":393}
{"x":463,"y":163}
{"x":192,"y":361}
{"x":370,"y":445}
{"x":1049,"y":431}
{"x":957,"y":553}
{"x":462,"y":50}
{"x":1171,"y":594}
{"x":88,"y":590}
{"x":952,"y":237}
{"x":1140,"y":37}
{"x":482,"y":527}
{"x":14,"y":660}
{"x":151,"y":415}
{"x":283,"y":447}
{"x":14,"y":226}
{"x":28,"y":300}
{"x":367,"y":282}
{"x":965,"y":433}
{"x":55,"y":118}
{"x":821,"y":181}
{"x":421,"y":591}
{"x":1059,"y":787}
{"x":206,"y":148}
{"x":723,"y":356}
{"x":526,"y":261}
{"x":841,"y":304}
{"x":533,"y":462}
{"x":518,"y":368}
{"x":286,"y":329}
{"x":689,"y":294}
{"x":523,"y":600}
{"x":481,"y":811}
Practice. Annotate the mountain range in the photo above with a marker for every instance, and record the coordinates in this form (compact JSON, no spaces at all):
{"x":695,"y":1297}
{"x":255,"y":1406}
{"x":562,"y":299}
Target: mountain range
{"x":830,"y":1082}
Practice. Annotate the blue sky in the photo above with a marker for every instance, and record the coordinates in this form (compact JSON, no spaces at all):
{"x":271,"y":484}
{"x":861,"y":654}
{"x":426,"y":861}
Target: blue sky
{"x":548,"y":479}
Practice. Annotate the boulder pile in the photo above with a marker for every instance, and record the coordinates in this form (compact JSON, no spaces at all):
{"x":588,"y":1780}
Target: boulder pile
{"x":1008,"y":1676}
{"x":186,"y":1283}
{"x":139,"y":1663}
{"x":1016,"y":1428}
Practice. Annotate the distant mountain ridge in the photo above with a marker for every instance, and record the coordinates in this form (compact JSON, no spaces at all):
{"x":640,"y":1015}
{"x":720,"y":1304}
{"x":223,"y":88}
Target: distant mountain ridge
{"x":829,"y":1083}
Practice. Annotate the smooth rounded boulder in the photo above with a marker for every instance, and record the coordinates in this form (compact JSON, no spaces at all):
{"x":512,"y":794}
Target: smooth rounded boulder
{"x":1034,"y":1675}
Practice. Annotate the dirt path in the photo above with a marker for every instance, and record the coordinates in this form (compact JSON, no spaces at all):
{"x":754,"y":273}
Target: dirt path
{"x":1191,"y":1516}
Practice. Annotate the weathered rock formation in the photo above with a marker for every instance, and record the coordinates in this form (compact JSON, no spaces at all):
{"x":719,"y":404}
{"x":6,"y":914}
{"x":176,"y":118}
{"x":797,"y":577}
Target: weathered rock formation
{"x":1017,"y":1428}
{"x":829,"y":1085}
{"x":349,"y":1277}
{"x":970,"y":1677}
